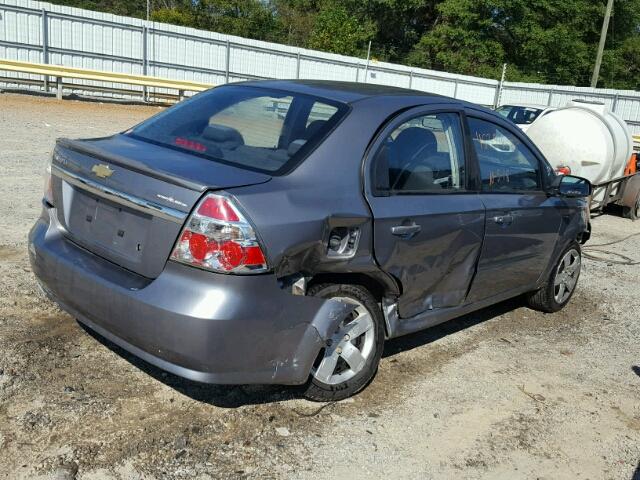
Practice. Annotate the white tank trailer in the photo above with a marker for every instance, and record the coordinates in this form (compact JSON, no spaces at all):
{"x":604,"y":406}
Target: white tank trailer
{"x":593,"y":143}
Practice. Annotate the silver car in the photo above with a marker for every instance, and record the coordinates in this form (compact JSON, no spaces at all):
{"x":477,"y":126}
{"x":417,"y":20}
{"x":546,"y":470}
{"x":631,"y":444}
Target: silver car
{"x":281,"y":231}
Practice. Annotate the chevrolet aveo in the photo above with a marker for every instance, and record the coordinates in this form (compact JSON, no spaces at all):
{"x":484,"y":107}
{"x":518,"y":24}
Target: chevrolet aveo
{"x":280,"y":231}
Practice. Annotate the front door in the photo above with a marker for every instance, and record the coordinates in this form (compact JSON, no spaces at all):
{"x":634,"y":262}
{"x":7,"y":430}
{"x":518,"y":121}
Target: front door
{"x":428,"y":223}
{"x":522,"y":221}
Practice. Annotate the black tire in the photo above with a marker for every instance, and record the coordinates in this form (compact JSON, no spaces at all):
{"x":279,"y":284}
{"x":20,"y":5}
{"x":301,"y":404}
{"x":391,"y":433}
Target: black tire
{"x":633,"y":212}
{"x":545,"y":299}
{"x":319,"y":391}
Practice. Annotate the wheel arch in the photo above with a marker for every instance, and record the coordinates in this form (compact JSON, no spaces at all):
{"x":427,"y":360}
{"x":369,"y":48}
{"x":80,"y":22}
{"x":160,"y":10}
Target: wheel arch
{"x":379,"y":286}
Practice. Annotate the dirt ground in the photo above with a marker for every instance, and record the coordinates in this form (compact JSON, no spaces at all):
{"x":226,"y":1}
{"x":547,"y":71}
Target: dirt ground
{"x":504,"y":393}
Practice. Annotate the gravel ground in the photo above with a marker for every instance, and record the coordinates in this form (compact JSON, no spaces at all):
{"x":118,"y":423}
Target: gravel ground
{"x":503,"y":393}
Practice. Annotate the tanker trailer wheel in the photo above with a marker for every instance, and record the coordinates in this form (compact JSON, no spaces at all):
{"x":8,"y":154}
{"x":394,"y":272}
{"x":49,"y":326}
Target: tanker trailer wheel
{"x":633,"y":211}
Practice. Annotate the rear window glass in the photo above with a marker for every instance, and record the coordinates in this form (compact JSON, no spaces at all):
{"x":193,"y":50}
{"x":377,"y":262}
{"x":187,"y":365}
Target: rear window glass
{"x":254,"y":128}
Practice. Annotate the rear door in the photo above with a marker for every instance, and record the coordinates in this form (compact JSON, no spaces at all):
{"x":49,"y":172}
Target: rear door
{"x":522,"y":221}
{"x":428,"y":220}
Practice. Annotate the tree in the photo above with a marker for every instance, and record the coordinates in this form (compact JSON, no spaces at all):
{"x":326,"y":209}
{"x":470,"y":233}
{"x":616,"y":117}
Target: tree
{"x":336,"y":30}
{"x":244,"y":18}
{"x":296,"y":19}
{"x":549,"y":41}
{"x":130,"y":8}
{"x":399,"y":24}
{"x":621,"y":66}
{"x":463,"y":40}
{"x":175,"y":13}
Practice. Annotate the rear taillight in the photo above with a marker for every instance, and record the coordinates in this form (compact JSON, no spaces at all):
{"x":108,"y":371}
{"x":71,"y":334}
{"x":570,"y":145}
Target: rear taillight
{"x":219,"y":238}
{"x":48,"y":188}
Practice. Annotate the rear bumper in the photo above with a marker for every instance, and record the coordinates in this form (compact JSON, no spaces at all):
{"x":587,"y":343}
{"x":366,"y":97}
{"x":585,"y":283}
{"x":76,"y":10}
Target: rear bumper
{"x":212,"y":328}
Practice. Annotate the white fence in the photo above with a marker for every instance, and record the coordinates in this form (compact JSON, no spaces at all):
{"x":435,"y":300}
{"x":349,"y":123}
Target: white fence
{"x":42,"y":32}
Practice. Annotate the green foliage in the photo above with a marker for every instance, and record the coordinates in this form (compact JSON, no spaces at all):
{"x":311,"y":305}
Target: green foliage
{"x":462,"y":41}
{"x":244,"y":18}
{"x":175,"y":16}
{"x":336,"y":30}
{"x":550,"y":41}
{"x":296,"y":19}
{"x":131,"y":8}
{"x":621,"y":66}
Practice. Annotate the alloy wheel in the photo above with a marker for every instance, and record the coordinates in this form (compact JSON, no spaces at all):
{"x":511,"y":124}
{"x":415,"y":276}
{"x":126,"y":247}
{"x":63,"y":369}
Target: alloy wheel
{"x":566,"y":276}
{"x":349,"y":348}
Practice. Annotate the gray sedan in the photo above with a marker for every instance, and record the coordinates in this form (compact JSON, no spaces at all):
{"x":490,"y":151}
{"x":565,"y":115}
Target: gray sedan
{"x":280,"y":231}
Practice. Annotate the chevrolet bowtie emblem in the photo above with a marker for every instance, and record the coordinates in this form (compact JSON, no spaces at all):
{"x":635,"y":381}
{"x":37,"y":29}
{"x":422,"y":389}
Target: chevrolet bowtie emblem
{"x":101,"y":171}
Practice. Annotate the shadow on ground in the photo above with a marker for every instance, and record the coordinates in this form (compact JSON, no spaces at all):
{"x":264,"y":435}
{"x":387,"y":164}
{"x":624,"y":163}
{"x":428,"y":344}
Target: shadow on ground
{"x":233,"y":396}
{"x":424,"y":337}
{"x":224,"y":396}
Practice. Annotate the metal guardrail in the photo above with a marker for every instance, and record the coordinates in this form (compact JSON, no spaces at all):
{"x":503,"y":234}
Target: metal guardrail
{"x":60,"y":72}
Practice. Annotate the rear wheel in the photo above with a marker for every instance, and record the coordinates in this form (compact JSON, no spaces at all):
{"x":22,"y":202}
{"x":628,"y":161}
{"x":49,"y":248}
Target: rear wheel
{"x":350,"y":359}
{"x":561,"y":285}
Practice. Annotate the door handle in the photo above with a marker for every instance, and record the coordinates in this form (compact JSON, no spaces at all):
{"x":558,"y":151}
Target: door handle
{"x":406,"y":231}
{"x":503,"y":219}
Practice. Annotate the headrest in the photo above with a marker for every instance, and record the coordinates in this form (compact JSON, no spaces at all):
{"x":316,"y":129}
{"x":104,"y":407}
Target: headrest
{"x":222,"y":133}
{"x":413,"y":139}
{"x":313,"y":128}
{"x":295,"y":146}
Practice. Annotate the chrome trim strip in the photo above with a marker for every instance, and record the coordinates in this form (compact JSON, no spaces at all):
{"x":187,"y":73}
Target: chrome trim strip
{"x":135,"y":203}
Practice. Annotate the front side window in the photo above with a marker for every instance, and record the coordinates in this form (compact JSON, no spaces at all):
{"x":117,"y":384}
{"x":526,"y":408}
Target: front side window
{"x":422,"y":155}
{"x":254,"y":128}
{"x":506,"y":164}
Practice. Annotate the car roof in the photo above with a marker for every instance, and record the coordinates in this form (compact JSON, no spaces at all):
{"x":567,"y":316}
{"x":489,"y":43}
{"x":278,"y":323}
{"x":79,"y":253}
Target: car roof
{"x":346,"y":92}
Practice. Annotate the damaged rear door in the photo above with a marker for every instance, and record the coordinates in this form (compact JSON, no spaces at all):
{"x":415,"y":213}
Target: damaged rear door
{"x":428,"y":218}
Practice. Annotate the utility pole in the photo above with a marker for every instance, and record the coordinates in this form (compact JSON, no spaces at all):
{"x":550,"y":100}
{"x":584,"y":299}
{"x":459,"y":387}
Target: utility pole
{"x":603,"y":40}
{"x":366,"y":68}
{"x":145,"y":40}
{"x":500,"y":86}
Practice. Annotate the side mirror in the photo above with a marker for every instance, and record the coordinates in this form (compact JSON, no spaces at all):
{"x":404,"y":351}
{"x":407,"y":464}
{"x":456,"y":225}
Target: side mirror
{"x":571,"y":186}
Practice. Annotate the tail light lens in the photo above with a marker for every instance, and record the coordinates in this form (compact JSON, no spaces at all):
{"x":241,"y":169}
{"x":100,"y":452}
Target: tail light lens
{"x":217,"y":237}
{"x":48,"y":187}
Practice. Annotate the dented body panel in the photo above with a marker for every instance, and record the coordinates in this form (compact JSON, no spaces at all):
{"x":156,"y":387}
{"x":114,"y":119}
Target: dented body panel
{"x":437,"y":265}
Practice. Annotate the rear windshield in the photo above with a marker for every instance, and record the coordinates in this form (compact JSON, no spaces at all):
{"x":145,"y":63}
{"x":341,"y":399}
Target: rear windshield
{"x":519,"y":115}
{"x":254,"y":128}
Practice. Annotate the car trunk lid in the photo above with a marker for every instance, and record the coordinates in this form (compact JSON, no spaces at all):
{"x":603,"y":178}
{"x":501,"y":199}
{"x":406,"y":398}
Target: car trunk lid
{"x":127,"y":200}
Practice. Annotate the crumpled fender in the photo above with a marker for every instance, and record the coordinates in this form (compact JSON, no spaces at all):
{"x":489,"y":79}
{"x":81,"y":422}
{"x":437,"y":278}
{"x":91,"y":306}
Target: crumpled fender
{"x":322,"y":326}
{"x":329,"y":316}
